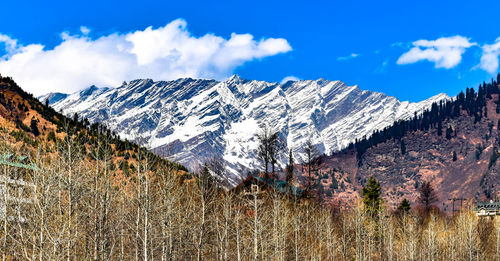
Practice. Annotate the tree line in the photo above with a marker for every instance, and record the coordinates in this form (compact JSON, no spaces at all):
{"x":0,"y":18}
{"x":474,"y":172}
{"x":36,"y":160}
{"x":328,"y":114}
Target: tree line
{"x":471,"y":103}
{"x":79,"y":210}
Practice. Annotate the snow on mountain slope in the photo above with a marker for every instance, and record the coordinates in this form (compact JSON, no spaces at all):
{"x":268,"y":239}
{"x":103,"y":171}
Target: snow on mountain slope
{"x":53,"y":97}
{"x":193,"y":120}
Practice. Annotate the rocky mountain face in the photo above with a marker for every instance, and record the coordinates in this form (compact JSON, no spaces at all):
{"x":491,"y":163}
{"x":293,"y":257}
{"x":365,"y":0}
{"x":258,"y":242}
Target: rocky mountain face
{"x":192,"y":120}
{"x":460,"y":161}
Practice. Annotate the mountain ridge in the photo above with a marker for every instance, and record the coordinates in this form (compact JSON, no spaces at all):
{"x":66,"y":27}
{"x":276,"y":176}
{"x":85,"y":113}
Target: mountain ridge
{"x":192,"y":120}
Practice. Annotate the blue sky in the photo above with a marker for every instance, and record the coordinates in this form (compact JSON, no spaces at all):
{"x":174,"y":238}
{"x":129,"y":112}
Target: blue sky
{"x":353,"y":41}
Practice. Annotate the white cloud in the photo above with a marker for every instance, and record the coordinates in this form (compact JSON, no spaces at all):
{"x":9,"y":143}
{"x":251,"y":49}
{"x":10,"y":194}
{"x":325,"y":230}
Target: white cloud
{"x":85,"y":30}
{"x":489,"y":58}
{"x":290,"y":78}
{"x":351,"y":56}
{"x":164,"y":53}
{"x":445,"y":52}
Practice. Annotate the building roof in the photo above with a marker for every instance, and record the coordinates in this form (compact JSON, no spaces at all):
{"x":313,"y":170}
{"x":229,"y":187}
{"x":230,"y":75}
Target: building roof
{"x":488,"y":206}
{"x":280,"y":185}
{"x":11,"y":160}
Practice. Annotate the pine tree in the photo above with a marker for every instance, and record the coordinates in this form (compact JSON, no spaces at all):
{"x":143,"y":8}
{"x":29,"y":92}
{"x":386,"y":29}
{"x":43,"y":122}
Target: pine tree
{"x":371,"y":197}
{"x":427,"y":196}
{"x":493,"y":158}
{"x":454,"y":156}
{"x":335,"y":183}
{"x":403,"y":147}
{"x":51,"y":136}
{"x":320,"y":190}
{"x":404,"y":206}
{"x":449,"y":131}
{"x":34,"y":127}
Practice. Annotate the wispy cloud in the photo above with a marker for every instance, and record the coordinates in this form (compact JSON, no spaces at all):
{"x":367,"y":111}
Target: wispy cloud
{"x":164,"y":53}
{"x":351,"y":56}
{"x":290,"y":78}
{"x":382,"y":67}
{"x":445,"y":52}
{"x":400,"y":45}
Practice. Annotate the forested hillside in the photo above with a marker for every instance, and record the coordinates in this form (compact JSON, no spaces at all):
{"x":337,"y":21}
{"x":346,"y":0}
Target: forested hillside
{"x":454,"y":145}
{"x":30,"y":124}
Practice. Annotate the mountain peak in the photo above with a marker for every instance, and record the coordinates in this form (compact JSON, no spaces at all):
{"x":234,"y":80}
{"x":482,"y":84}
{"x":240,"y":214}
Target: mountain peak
{"x":436,"y":98}
{"x":53,"y":97}
{"x":440,"y":96}
{"x":141,"y":81}
{"x":235,"y":78}
{"x":89,"y":91}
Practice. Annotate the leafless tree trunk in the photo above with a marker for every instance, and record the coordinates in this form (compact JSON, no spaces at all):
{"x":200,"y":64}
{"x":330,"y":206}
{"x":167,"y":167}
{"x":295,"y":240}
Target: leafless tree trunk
{"x":311,"y":152}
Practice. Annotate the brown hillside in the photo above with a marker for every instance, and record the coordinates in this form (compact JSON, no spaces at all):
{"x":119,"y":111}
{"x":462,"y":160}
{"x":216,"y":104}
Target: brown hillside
{"x":473,"y":175}
{"x":26,"y":124}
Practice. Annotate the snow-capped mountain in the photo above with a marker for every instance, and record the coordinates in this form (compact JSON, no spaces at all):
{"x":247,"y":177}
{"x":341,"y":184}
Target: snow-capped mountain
{"x":192,"y":120}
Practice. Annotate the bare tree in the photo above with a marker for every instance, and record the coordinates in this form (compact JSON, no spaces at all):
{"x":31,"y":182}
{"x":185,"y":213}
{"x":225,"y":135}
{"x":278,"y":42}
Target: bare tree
{"x":276,"y":146}
{"x":263,"y":138}
{"x":217,"y":168}
{"x":82,"y":207}
{"x":270,"y":145}
{"x":289,"y":167}
{"x":206,"y":186}
{"x":311,"y":161}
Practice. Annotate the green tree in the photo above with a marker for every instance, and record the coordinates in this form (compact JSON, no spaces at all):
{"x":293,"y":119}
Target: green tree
{"x":454,"y":156}
{"x":427,"y":196}
{"x":403,"y":147}
{"x":34,"y":127}
{"x":335,"y":183}
{"x":404,"y":206}
{"x":51,"y":136}
{"x":125,"y":168}
{"x":371,"y":197}
{"x":449,"y":131}
{"x":493,"y":158}
{"x":479,"y":151}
